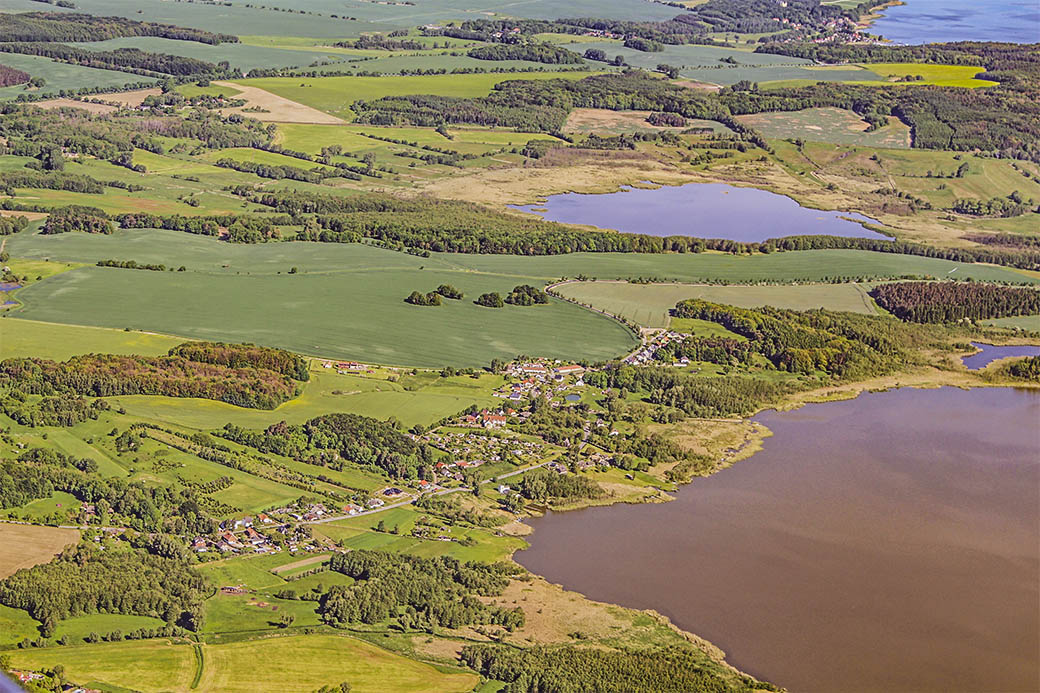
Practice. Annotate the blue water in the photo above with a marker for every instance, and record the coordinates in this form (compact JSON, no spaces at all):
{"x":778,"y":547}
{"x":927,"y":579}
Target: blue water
{"x":991,"y":353}
{"x":702,"y":210}
{"x":933,"y":21}
{"x":573,"y":398}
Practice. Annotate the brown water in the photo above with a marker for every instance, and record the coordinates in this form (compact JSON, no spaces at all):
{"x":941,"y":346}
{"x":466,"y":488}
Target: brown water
{"x":887,"y":543}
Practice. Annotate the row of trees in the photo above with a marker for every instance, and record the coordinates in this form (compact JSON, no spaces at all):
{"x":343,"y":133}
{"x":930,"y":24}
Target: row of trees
{"x":72,"y":27}
{"x":124,"y":59}
{"x":71,"y":219}
{"x":952,"y":301}
{"x":531,"y":51}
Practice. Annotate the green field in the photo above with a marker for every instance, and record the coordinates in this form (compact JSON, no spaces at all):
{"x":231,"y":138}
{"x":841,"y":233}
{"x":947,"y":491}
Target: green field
{"x":335,"y":94}
{"x":649,"y":304}
{"x":299,"y":664}
{"x":934,"y":75}
{"x":23,"y":338}
{"x":1022,"y":322}
{"x":61,"y":76}
{"x":240,"y":55}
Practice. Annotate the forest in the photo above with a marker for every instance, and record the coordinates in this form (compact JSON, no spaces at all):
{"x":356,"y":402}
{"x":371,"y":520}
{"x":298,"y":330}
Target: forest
{"x":10,"y":76}
{"x":950,"y":301}
{"x":534,"y":52}
{"x":245,"y":356}
{"x":420,"y":593}
{"x":125,"y":59}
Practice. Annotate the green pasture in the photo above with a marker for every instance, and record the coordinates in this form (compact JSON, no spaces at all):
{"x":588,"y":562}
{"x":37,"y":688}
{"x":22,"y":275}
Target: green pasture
{"x":648,"y":304}
{"x":984,"y":178}
{"x":79,"y":627}
{"x":61,"y":76}
{"x":242,"y":570}
{"x":828,"y":125}
{"x":1021,"y":322}
{"x":335,"y":94}
{"x":298,"y":663}
{"x":15,"y":625}
{"x":235,"y":613}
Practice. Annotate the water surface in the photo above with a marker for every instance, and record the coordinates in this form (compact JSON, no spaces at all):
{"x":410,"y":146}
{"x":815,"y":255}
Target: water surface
{"x":887,"y":543}
{"x":703,"y":210}
{"x":991,"y":353}
{"x":931,"y":21}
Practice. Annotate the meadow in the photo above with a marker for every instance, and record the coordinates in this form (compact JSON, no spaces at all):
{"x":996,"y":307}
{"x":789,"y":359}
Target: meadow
{"x":648,"y":304}
{"x":335,"y":94}
{"x":239,"y":55}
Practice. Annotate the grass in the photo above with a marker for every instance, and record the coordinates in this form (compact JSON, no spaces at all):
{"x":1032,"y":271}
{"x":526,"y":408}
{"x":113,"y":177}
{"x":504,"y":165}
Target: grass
{"x":16,"y":624}
{"x":239,"y":55}
{"x":241,"y":571}
{"x":335,"y":94}
{"x":230,"y":613}
{"x":78,"y":628}
{"x":1021,"y":322}
{"x":27,"y":545}
{"x":648,"y":304}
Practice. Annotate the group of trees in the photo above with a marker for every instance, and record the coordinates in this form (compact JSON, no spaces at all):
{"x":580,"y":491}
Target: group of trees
{"x":13,"y":224}
{"x":334,"y":439}
{"x":421,"y":593}
{"x":952,"y":301}
{"x":433,"y":298}
{"x":526,"y":295}
{"x":86,"y":580}
{"x":533,"y":52}
{"x":70,"y":219}
{"x":10,"y":76}
{"x":545,"y":486}
{"x":124,"y":59}
{"x":1012,"y":205}
{"x":105,"y":375}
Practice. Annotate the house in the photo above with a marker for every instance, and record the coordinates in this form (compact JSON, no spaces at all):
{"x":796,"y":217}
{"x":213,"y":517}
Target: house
{"x":570,"y":370}
{"x":534,"y":369}
{"x":392,"y":492}
{"x":350,"y":366}
{"x":352,"y":509}
{"x":199,"y":545}
{"x":492,"y":420}
{"x":254,"y":537}
{"x":503,"y":489}
{"x":376,"y":503}
{"x":264,"y":519}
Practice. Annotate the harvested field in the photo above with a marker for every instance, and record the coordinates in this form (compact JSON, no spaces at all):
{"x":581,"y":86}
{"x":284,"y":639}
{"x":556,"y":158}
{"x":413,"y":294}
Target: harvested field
{"x":31,"y":216}
{"x":603,"y":121}
{"x":278,"y":108}
{"x":23,"y":546}
{"x":301,"y":563}
{"x":129,"y":99}
{"x":694,"y":84}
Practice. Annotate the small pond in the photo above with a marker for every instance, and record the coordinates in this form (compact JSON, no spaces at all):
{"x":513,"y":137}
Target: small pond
{"x":573,"y":398}
{"x":991,"y":353}
{"x":702,"y":210}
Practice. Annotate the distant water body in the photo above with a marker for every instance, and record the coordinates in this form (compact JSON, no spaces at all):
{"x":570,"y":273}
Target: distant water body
{"x":933,"y":21}
{"x":990,"y":353}
{"x":702,"y":210}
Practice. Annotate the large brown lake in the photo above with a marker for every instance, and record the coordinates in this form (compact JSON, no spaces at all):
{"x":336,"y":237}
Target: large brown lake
{"x":886,"y":543}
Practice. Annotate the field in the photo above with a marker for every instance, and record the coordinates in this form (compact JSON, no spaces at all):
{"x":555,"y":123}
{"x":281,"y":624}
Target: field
{"x":296,"y":663}
{"x":63,"y":76}
{"x":648,"y":305}
{"x":23,"y":546}
{"x":24,"y":338}
{"x":606,"y":122}
{"x":240,"y":55}
{"x":934,"y":75}
{"x":335,"y":94}
{"x":829,"y":125}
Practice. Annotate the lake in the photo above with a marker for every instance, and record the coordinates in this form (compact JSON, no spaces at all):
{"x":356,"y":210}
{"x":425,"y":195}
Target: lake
{"x":990,"y":353}
{"x":703,"y":210}
{"x":930,"y":21}
{"x":886,"y":543}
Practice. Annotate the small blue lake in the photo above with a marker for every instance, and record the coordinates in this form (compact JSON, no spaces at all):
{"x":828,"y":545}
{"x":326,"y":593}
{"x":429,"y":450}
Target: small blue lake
{"x":991,"y":353}
{"x":572,"y":397}
{"x":702,"y":210}
{"x":932,"y":21}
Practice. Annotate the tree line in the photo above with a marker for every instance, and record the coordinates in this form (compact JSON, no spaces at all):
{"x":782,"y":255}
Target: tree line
{"x":75,"y":27}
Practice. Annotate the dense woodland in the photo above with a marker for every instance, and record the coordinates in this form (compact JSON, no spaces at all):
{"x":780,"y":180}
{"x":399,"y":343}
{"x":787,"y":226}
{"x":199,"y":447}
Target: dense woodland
{"x":534,"y":52}
{"x":334,"y":439}
{"x":419,"y":593}
{"x":245,"y":356}
{"x":10,"y":76}
{"x":125,"y":59}
{"x":952,"y":301}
